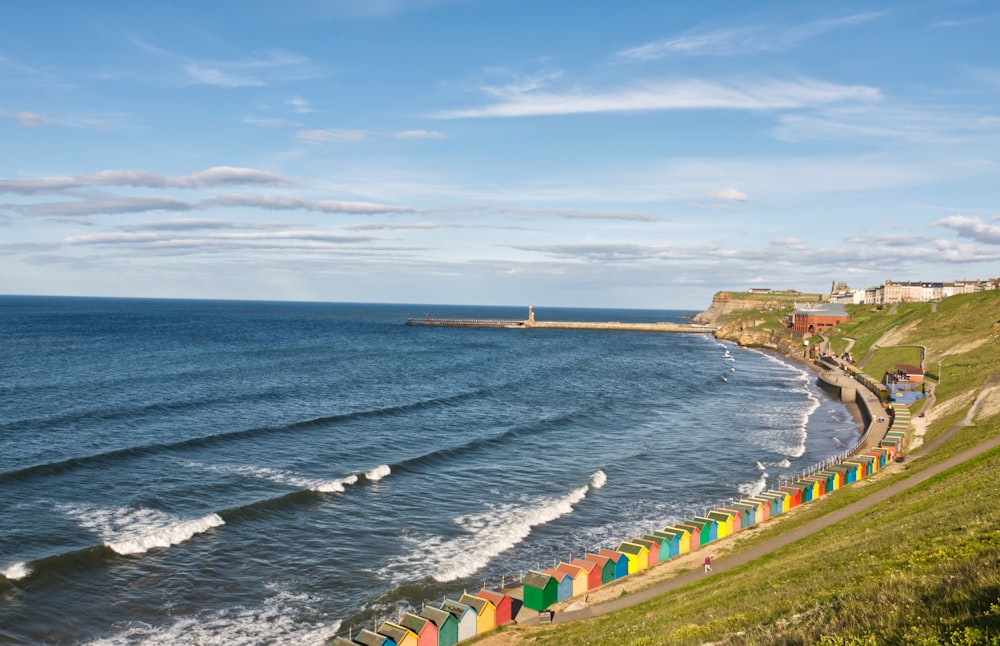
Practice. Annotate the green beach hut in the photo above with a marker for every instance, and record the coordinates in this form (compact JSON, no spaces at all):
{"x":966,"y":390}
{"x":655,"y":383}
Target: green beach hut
{"x":540,"y":590}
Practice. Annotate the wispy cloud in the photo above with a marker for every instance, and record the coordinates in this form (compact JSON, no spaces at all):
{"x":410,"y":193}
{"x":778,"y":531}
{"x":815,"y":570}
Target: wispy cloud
{"x":32,"y":120}
{"x":299,"y":104}
{"x":105,"y":206}
{"x":255,"y":70}
{"x":419,"y":134}
{"x":210,"y":177}
{"x":330,"y":135}
{"x":765,"y":94}
{"x":730,"y":195}
{"x":573,"y":214}
{"x":289,"y":203}
{"x":742,"y":40}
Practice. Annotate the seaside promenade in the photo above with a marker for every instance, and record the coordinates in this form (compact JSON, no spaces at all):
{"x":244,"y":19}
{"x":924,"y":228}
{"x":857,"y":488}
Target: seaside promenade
{"x":686,"y":571}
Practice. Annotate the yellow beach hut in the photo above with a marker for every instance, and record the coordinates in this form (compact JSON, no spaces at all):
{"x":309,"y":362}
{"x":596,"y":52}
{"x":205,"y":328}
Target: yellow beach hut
{"x":638,"y":556}
{"x":486,"y":612}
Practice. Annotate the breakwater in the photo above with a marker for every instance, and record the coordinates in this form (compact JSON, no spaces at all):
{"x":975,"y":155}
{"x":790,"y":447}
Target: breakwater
{"x":531,"y":323}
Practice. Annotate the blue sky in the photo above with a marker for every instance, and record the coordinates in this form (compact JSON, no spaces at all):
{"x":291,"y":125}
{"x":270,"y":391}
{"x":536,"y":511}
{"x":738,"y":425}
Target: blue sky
{"x":561,"y":153}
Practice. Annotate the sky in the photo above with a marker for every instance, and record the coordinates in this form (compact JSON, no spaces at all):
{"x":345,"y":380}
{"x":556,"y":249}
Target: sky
{"x":632,"y":153}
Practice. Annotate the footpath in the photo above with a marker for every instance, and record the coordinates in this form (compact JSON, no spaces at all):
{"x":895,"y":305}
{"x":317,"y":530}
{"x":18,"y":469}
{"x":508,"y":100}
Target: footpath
{"x":771,"y":545}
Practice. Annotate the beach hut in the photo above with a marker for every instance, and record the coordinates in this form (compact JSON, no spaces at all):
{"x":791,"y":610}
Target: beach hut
{"x":620,"y":560}
{"x":465,"y":615}
{"x":662,"y":553}
{"x":581,"y":579}
{"x":369,"y":638}
{"x":447,"y":624}
{"x":670,"y":546}
{"x":540,"y":590}
{"x":748,"y":513}
{"x":425,"y":629}
{"x":821,"y":482}
{"x":564,"y":583}
{"x":881,"y":457}
{"x":773,"y":503}
{"x":763,"y":507}
{"x":503,"y":603}
{"x":606,"y":565}
{"x":592,"y":570}
{"x":810,"y":490}
{"x":399,"y":635}
{"x":652,"y":549}
{"x":784,"y":497}
{"x":707,"y":526}
{"x":695,"y":531}
{"x":638,"y":556}
{"x":683,"y":538}
{"x":486,"y":612}
{"x":724,"y":521}
{"x":737,"y":515}
{"x":794,"y":495}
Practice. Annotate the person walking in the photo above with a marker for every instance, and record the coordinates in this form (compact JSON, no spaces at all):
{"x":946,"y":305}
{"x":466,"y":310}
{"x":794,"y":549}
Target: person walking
{"x":708,"y":564}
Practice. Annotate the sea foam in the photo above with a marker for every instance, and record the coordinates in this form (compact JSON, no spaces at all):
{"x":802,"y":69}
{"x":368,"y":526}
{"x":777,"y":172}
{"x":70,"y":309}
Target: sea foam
{"x":129,"y":530}
{"x":274,"y":622}
{"x":16,"y":571}
{"x":486,"y":536}
{"x":378,"y":473}
{"x":335,"y":486}
{"x":753,"y":488}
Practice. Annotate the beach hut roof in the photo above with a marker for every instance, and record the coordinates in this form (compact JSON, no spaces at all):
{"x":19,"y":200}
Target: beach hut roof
{"x":536,"y":579}
{"x":368,"y":638}
{"x":457,"y":609}
{"x":393,"y":631}
{"x":583,"y":564}
{"x":413,"y":622}
{"x":437,"y":615}
{"x":473,"y":601}
{"x":496,"y":598}
{"x":630,"y":548}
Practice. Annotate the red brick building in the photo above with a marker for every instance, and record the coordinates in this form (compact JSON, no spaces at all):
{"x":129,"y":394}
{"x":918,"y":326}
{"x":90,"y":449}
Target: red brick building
{"x":813,"y":318}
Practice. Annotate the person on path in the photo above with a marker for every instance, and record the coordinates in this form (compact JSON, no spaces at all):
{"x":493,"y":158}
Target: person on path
{"x":708,"y":564}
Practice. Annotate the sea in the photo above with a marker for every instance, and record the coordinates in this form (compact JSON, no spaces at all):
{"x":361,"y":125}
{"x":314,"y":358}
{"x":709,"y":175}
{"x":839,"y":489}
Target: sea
{"x":231,"y":472}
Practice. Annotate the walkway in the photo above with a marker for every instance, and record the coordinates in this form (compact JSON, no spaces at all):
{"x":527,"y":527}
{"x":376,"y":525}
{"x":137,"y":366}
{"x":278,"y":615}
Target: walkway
{"x":776,"y":543}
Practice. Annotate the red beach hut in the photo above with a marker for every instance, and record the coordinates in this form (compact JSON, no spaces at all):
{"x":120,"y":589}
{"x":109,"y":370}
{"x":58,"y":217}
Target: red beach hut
{"x":502,"y":602}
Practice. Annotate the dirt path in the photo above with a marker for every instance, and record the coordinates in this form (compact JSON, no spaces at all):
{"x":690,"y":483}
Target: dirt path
{"x":688,"y":567}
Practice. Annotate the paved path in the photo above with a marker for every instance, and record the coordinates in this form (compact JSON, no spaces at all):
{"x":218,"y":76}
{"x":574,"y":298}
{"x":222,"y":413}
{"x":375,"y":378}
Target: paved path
{"x":776,"y":543}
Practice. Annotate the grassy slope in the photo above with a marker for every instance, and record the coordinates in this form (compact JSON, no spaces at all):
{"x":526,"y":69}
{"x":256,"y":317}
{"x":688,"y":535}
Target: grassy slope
{"x":922,"y":568}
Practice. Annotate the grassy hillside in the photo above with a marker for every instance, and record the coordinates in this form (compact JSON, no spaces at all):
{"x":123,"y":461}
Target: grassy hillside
{"x":921,"y":568}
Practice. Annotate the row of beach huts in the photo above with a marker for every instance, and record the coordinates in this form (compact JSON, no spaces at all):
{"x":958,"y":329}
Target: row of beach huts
{"x":472,"y":614}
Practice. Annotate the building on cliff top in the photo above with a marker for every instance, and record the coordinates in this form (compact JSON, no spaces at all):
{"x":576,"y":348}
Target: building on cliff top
{"x":816,"y":317}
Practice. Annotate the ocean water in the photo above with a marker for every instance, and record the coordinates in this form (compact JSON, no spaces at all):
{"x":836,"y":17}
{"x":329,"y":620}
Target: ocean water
{"x":217,"y":472}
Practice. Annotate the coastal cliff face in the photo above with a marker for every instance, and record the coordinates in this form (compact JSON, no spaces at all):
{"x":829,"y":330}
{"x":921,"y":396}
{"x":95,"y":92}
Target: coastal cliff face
{"x":743,"y":321}
{"x":725,"y":304}
{"x":779,"y":340}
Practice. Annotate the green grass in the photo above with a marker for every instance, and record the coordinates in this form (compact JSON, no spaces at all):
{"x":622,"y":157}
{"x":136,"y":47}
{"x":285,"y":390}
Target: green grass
{"x":921,"y":568}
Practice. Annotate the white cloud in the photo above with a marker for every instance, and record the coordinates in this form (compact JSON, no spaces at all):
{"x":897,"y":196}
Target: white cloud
{"x":730,"y":195}
{"x":299,"y":104}
{"x":419,"y":134}
{"x":973,"y":228}
{"x":766,"y":94}
{"x":327,"y":135}
{"x":288,"y":203}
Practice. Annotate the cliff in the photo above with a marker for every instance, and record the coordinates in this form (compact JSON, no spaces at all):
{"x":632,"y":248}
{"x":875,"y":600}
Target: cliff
{"x":755,"y":320}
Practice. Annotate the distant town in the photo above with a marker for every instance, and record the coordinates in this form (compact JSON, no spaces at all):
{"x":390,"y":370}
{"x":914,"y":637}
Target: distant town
{"x":897,"y":292}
